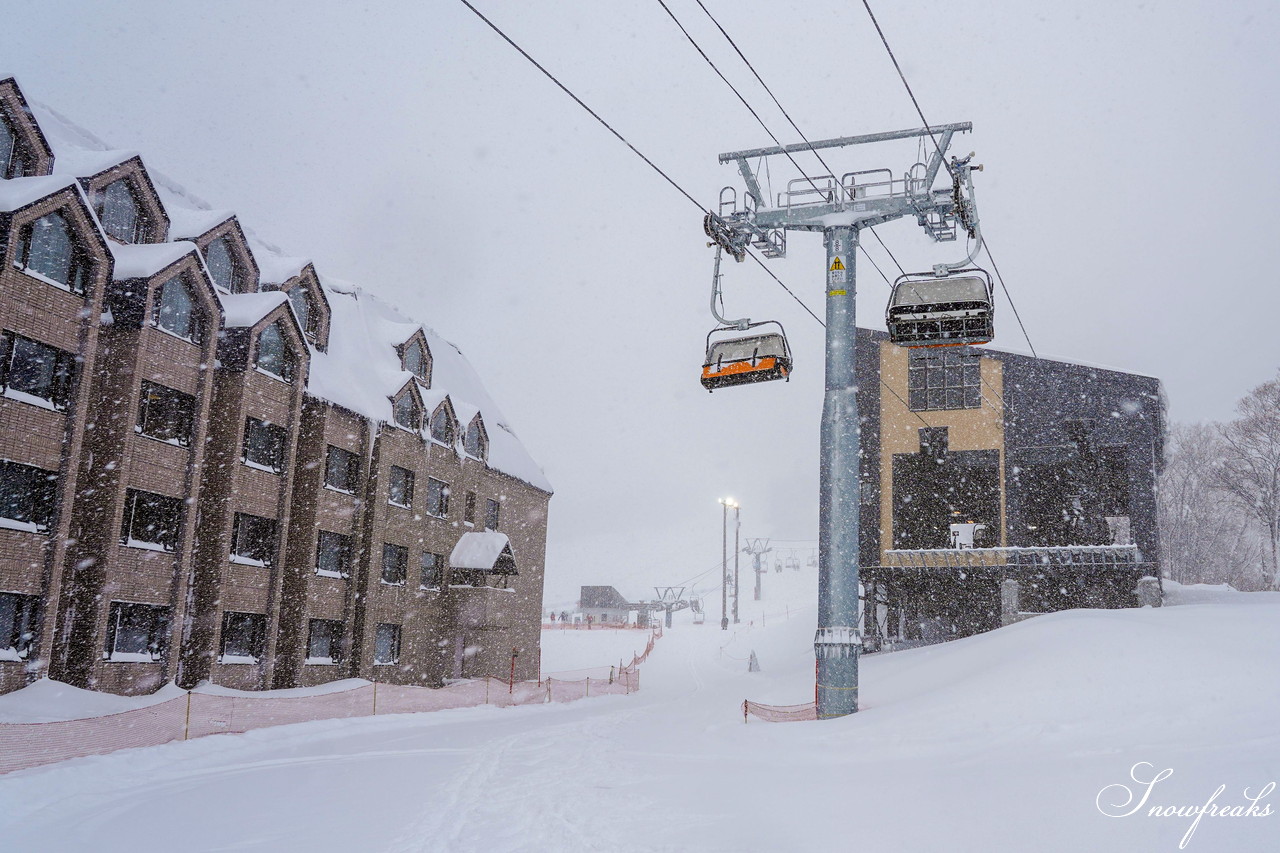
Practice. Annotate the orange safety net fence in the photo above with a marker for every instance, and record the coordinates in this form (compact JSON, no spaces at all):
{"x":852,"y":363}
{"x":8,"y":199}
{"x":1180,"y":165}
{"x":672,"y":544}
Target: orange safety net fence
{"x":198,"y":713}
{"x":779,"y":713}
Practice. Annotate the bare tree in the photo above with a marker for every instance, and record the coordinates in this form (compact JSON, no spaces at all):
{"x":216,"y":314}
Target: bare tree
{"x":1204,"y":537}
{"x":1249,"y":468}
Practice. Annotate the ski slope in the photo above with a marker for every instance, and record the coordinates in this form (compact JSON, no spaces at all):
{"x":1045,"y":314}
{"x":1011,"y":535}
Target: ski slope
{"x":998,"y":742}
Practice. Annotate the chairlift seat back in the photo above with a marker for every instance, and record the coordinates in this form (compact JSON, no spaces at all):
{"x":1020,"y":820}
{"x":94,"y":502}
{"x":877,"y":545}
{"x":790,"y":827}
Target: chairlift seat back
{"x":941,"y":311}
{"x":746,"y":359}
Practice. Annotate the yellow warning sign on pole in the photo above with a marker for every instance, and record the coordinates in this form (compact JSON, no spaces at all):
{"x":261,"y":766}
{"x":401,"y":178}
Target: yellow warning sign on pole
{"x":836,"y":264}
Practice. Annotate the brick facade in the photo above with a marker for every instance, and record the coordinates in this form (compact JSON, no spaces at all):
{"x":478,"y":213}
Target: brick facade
{"x":218,"y":513}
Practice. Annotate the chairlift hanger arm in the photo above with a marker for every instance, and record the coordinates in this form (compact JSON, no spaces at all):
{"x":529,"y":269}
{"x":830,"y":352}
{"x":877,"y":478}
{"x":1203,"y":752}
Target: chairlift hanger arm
{"x":843,"y":141}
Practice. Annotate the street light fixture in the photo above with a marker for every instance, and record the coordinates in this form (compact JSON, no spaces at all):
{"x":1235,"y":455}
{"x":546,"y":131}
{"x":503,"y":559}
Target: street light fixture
{"x":724,"y":563}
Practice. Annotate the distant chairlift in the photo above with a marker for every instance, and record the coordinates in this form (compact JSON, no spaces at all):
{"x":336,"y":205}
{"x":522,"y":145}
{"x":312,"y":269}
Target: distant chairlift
{"x":928,"y":310}
{"x":744,"y":359}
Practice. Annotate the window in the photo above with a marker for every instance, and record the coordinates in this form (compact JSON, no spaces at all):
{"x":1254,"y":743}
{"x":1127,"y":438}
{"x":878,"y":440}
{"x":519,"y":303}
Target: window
{"x":395,"y":564}
{"x":301,"y":302}
{"x":442,"y":425}
{"x":950,"y":379}
{"x":437,"y":497}
{"x":264,"y":445}
{"x":469,"y":508}
{"x":46,"y":247}
{"x":416,"y":361}
{"x":341,"y":469}
{"x":243,"y":637}
{"x":223,"y":267}
{"x":28,"y":496}
{"x":333,"y":555}
{"x":400,"y":492}
{"x":324,"y":641}
{"x":253,"y":540}
{"x":36,"y":373}
{"x":151,"y":521}
{"x":386,"y":644}
{"x":405,"y":411}
{"x":432,"y":570}
{"x":175,"y":310}
{"x":475,"y":443}
{"x":13,"y":158}
{"x":117,"y":209}
{"x":18,"y":616}
{"x":491,"y":511}
{"x":274,"y":357}
{"x":165,"y":414}
{"x":136,"y":632}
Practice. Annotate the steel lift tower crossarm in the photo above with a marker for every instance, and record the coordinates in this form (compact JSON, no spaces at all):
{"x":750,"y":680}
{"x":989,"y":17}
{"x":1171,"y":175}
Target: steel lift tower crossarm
{"x":840,"y":208}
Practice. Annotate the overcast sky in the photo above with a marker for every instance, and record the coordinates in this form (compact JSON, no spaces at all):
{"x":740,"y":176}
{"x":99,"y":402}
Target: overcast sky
{"x":1127,"y":197}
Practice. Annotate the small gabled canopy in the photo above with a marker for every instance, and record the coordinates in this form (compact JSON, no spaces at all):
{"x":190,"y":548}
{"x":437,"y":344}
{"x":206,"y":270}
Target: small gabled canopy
{"x":17,"y":112}
{"x":488,"y":552}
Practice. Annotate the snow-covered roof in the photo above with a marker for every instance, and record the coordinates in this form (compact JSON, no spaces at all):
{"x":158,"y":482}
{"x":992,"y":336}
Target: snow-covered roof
{"x":17,"y":193}
{"x":246,"y":309}
{"x":360,"y":369}
{"x":143,"y":260}
{"x":480,"y":551}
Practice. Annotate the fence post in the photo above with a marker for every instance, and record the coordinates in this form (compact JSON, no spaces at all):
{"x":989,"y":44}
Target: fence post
{"x":588,"y":693}
{"x":486,"y":690}
{"x":186,"y":725}
{"x":375,"y":698}
{"x":744,"y":711}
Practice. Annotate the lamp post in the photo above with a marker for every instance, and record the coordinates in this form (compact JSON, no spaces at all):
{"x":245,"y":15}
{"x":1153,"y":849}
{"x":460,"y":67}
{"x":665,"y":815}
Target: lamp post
{"x":737,"y":528}
{"x":724,"y":563}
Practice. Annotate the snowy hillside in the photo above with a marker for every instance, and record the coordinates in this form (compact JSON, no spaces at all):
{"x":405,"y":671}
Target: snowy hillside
{"x":1004,"y":741}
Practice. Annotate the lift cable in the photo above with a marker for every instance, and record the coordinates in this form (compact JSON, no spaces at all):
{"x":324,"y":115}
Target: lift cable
{"x":785,"y":115}
{"x":750,"y":109}
{"x":867,"y":5}
{"x":625,"y":142}
{"x":655,"y":167}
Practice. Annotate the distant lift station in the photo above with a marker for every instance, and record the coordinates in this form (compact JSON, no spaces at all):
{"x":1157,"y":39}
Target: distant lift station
{"x":949,"y":306}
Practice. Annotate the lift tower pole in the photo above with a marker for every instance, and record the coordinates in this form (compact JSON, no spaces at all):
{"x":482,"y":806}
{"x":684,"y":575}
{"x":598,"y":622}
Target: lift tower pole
{"x":840,"y":208}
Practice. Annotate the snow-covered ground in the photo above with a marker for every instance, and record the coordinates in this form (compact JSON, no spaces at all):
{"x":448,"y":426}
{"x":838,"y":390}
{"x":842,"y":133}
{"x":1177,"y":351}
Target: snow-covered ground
{"x":1005,"y":741}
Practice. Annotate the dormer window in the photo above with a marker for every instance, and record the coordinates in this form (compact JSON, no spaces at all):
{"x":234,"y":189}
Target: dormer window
{"x":175,"y":310}
{"x":274,"y":357}
{"x":46,"y":247}
{"x":475,"y":443}
{"x":442,"y":425}
{"x":117,"y":209}
{"x":301,"y":302}
{"x":13,"y":155}
{"x":223,"y":266}
{"x":416,"y":361}
{"x":405,"y":411}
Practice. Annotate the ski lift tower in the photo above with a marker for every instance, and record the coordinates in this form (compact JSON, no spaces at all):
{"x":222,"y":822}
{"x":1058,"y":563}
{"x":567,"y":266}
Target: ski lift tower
{"x":840,"y":208}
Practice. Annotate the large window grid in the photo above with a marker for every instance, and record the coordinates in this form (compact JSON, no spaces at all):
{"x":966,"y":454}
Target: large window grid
{"x":395,"y":564}
{"x":274,"y":356}
{"x":400,"y":487}
{"x":437,"y":497}
{"x":175,"y":310}
{"x":386,"y":645}
{"x":946,"y":379}
{"x":223,"y":267}
{"x":433,"y":566}
{"x":121,"y":215}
